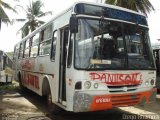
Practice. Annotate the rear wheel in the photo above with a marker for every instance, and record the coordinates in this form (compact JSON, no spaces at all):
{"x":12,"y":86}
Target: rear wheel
{"x":22,"y":88}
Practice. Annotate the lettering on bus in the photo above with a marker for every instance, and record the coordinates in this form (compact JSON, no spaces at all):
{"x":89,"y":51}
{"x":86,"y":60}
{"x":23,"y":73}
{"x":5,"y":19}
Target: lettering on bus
{"x":28,"y":64}
{"x":102,"y":100}
{"x":117,"y":79}
{"x":31,"y":80}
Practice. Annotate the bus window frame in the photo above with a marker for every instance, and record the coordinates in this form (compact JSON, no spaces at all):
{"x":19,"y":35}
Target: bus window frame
{"x":52,"y":41}
{"x":33,"y":44}
{"x":27,"y":47}
{"x":16,"y":52}
{"x":43,"y":40}
{"x":21,"y":50}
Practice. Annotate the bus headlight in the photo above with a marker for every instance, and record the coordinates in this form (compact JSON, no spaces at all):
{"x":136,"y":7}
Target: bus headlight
{"x":147,"y":83}
{"x":96,"y":85}
{"x":87,"y":85}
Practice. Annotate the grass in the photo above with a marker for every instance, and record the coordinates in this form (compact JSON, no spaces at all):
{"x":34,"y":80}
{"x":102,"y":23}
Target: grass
{"x":9,"y":86}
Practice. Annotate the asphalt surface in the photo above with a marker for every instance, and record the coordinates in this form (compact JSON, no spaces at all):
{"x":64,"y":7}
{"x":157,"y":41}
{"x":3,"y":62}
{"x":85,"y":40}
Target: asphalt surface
{"x":30,"y":106}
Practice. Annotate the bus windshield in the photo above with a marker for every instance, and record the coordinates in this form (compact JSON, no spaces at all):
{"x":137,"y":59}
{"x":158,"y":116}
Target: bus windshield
{"x":103,"y":44}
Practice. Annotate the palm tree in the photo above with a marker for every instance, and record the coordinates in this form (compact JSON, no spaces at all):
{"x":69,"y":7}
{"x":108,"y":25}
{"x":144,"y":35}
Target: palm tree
{"x":3,"y":16}
{"x":33,"y":13}
{"x":143,"y":6}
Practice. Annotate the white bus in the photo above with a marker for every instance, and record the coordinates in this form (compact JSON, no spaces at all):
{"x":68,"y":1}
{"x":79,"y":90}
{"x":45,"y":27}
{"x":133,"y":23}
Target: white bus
{"x":156,"y":53}
{"x":6,"y":70}
{"x":91,"y":57}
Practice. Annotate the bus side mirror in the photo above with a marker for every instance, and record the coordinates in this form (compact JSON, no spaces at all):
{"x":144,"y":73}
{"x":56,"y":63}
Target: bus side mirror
{"x":73,"y":24}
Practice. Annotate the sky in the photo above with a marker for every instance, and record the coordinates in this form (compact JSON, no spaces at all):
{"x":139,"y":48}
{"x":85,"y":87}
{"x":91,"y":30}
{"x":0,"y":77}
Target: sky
{"x":9,"y":36}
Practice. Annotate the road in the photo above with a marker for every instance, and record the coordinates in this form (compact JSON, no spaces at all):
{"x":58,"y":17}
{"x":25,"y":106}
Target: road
{"x":16,"y":106}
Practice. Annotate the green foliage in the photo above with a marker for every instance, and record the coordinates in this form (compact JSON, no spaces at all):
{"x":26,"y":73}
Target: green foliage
{"x":33,"y":13}
{"x":4,"y":17}
{"x":9,"y":86}
{"x":143,"y":6}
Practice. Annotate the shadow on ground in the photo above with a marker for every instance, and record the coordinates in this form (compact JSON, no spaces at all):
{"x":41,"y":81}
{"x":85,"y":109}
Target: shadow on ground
{"x":114,"y":114}
{"x":30,"y":106}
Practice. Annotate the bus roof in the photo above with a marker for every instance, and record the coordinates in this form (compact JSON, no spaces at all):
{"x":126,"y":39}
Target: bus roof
{"x":110,"y":6}
{"x":72,"y":8}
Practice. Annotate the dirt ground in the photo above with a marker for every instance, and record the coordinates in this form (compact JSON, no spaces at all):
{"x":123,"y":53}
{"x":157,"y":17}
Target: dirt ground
{"x":14,"y":105}
{"x":17,"y":106}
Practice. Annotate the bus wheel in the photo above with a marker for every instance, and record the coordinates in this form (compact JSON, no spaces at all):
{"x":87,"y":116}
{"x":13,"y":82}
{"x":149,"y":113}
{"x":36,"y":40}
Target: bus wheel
{"x":52,"y":108}
{"x":22,"y":88}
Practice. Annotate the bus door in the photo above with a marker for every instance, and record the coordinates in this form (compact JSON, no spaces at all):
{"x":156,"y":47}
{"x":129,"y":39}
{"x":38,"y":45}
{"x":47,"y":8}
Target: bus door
{"x":156,"y":53}
{"x":62,"y":72}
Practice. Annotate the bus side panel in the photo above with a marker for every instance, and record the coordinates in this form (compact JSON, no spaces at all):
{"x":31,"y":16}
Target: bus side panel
{"x":49,"y":70}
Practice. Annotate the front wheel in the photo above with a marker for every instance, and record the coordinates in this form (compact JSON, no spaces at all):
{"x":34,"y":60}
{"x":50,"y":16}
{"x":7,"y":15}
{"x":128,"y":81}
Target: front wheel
{"x":52,"y":108}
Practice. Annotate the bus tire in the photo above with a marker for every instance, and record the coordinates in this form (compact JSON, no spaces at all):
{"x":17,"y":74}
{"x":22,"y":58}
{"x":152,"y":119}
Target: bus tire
{"x":22,"y":88}
{"x":52,"y":108}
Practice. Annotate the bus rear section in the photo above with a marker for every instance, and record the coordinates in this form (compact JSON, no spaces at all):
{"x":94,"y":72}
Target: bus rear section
{"x":92,"y":57}
{"x":6,"y":70}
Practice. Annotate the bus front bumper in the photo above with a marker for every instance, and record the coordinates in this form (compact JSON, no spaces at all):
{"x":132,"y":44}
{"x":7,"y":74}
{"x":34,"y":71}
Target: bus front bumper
{"x":84,"y":102}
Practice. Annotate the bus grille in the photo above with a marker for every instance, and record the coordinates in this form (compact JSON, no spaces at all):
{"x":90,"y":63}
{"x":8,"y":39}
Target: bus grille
{"x":122,"y":88}
{"x":125,"y":100}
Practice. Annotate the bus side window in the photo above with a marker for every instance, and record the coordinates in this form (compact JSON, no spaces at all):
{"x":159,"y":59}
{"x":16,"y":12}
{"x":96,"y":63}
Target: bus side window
{"x":54,"y":41}
{"x":21,"y":49}
{"x":34,"y":45}
{"x":16,"y":51}
{"x":26,"y":51}
{"x":45,"y":42}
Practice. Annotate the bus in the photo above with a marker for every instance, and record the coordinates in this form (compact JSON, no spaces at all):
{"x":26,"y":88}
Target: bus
{"x":90,"y":57}
{"x":156,"y":53}
{"x":6,"y":70}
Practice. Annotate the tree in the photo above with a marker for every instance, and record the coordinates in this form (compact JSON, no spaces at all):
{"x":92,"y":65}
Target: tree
{"x":3,"y":16}
{"x":143,"y":6}
{"x":33,"y":13}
